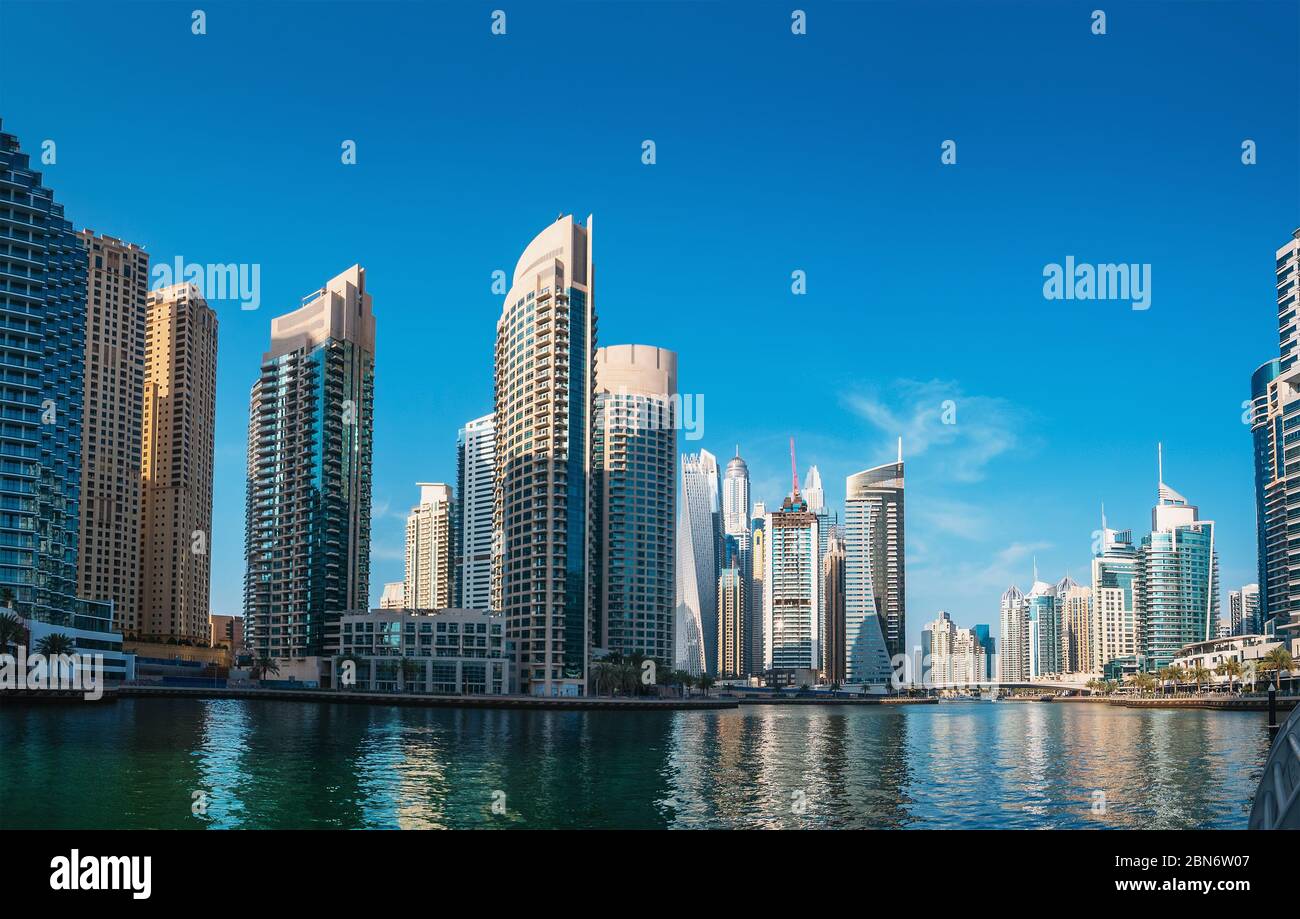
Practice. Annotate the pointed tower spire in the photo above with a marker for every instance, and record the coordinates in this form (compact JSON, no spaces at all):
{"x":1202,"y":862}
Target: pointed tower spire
{"x":1160,"y":463}
{"x":1035,"y":569}
{"x":900,"y":451}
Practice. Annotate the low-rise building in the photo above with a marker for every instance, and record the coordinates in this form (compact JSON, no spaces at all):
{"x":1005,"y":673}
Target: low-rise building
{"x":443,"y":652}
{"x":1247,"y":650}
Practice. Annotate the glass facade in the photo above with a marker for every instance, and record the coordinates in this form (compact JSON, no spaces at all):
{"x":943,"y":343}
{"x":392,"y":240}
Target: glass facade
{"x":42,"y":359}
{"x":307,"y":531}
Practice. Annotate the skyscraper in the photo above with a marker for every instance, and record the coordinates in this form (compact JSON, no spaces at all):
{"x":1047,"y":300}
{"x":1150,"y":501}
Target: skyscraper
{"x":758,"y":562}
{"x":1042,"y":629}
{"x":1013,"y":655}
{"x":957,"y":658}
{"x":179,"y":429}
{"x":117,"y":285}
{"x":735,"y":498}
{"x":634,"y":487}
{"x":310,"y":438}
{"x":1114,"y":598}
{"x":43,"y":304}
{"x":1243,"y":610}
{"x":474,"y":536}
{"x":732,"y":610}
{"x":1275,"y":424}
{"x":1178,"y":579}
{"x":874,"y":571}
{"x":428,"y":582}
{"x":698,"y":565}
{"x":833,"y":650}
{"x":544,"y":395}
{"x":792,"y":583}
{"x":1075,"y":603}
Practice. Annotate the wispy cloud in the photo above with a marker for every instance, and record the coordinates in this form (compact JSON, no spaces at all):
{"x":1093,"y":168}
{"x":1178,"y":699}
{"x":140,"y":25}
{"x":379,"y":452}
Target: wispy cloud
{"x":960,"y":433}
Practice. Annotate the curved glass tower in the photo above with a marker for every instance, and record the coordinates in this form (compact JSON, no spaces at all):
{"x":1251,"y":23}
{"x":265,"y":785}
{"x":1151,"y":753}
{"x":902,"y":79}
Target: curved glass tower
{"x":875,"y":590}
{"x":545,"y":388}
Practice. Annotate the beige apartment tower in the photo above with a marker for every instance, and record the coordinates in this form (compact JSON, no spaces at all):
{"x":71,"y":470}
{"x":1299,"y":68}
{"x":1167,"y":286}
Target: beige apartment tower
{"x":179,"y":417}
{"x":116,"y":303}
{"x":429,"y":554}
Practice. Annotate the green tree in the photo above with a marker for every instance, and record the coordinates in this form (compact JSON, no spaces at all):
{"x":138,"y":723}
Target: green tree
{"x":12,"y":631}
{"x":1277,"y":661}
{"x":1231,"y":668}
{"x":54,"y":644}
{"x":265,"y":665}
{"x":706,"y":683}
{"x":1198,"y":674}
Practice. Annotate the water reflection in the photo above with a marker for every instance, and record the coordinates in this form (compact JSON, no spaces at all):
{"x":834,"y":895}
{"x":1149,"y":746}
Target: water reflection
{"x":266,"y":764}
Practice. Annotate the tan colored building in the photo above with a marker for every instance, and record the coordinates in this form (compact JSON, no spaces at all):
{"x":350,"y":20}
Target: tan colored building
{"x":732,"y":609}
{"x":180,"y":378}
{"x":1076,"y":630}
{"x":394,"y":595}
{"x":228,"y":631}
{"x":634,"y":482}
{"x":429,"y":554}
{"x":116,"y":292}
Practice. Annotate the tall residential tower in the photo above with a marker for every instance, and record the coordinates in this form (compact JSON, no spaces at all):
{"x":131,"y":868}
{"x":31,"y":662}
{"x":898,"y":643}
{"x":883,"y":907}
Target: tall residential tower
{"x":544,"y":393}
{"x":310,"y":435}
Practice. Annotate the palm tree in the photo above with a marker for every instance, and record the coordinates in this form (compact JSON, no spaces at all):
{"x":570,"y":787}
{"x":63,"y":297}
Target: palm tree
{"x":1198,"y":674}
{"x":11,"y":630}
{"x":688,"y":681}
{"x":1093,"y":685}
{"x":602,"y":677}
{"x":1142,"y":682}
{"x":1231,"y":668}
{"x":1164,"y":675}
{"x":1277,"y":661}
{"x":1177,"y":674}
{"x":1111,"y":687}
{"x":54,"y":644}
{"x":265,"y":665}
{"x":706,"y":683}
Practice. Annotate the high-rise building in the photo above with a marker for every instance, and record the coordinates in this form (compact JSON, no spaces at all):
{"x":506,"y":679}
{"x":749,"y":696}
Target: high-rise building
{"x":634,"y":488}
{"x":732,"y":610}
{"x":957,"y":658}
{"x":310,"y":438}
{"x":544,"y":395}
{"x":179,"y":430}
{"x":792,"y":583}
{"x":1178,"y":579}
{"x":698,"y":564}
{"x":984,"y":637}
{"x":475,"y":537}
{"x":834,"y":659}
{"x":1013,"y":654}
{"x":758,"y":563}
{"x":117,"y":286}
{"x":1114,"y":598}
{"x":874,"y":572}
{"x":43,"y":307}
{"x":1243,"y":611}
{"x":428,"y":582}
{"x":735,"y":498}
{"x":1275,"y":430}
{"x":1042,"y":629}
{"x":1074,"y":602}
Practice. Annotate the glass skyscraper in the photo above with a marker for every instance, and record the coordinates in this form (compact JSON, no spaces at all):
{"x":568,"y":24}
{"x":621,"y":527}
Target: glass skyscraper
{"x":875,"y":600}
{"x":699,"y":542}
{"x":475,"y":538}
{"x":42,"y":364}
{"x":307,"y":531}
{"x":1178,"y":580}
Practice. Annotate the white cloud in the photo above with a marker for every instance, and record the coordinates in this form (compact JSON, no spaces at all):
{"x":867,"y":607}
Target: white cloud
{"x":982,"y":428}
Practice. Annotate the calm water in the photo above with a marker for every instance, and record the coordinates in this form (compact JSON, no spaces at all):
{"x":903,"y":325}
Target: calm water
{"x":137,"y":763}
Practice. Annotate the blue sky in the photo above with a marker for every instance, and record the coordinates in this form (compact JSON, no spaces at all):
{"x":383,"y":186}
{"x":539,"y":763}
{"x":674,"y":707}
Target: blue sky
{"x":775,"y":152}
